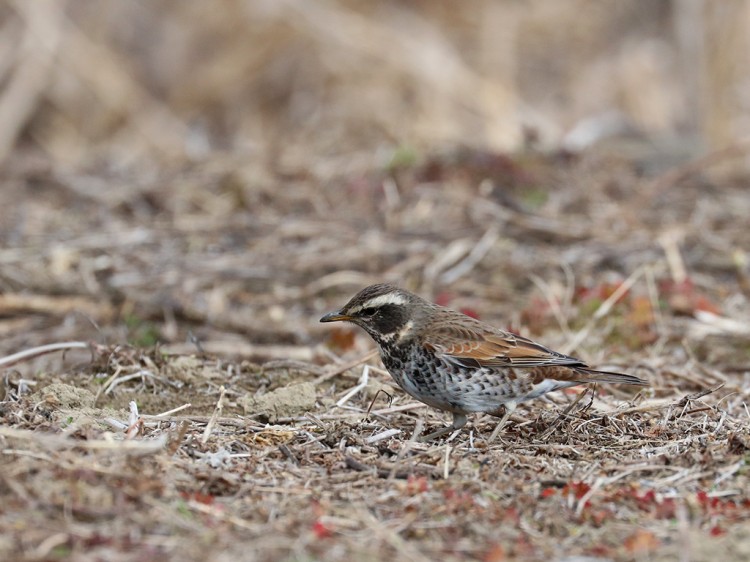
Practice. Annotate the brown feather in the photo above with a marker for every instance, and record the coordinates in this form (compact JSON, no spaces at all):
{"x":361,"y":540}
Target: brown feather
{"x":468,"y":342}
{"x":481,"y":345}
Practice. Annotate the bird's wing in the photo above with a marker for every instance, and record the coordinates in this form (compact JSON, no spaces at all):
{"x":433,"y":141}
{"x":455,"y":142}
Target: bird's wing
{"x":476,"y":346}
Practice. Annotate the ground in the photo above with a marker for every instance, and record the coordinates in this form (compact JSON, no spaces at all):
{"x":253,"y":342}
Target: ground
{"x":197,"y":410}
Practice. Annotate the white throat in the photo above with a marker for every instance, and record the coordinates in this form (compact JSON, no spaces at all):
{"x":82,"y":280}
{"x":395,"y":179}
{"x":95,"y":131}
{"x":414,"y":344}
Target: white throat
{"x":400,"y":334}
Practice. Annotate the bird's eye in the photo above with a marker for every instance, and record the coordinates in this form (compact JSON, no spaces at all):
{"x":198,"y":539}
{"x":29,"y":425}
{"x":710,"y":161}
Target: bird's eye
{"x":368,"y":312}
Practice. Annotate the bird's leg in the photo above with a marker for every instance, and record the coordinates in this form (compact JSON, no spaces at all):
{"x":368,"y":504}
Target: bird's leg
{"x":509,"y":409}
{"x":459,"y":420}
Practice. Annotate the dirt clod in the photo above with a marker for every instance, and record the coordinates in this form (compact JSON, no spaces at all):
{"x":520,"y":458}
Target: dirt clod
{"x":283,"y":402}
{"x":64,"y":397}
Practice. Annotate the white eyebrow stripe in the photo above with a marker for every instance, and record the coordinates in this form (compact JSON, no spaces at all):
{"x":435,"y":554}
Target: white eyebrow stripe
{"x":382,"y":300}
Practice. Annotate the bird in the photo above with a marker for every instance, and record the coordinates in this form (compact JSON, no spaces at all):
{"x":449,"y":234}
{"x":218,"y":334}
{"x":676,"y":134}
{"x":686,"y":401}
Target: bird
{"x":458,"y":364}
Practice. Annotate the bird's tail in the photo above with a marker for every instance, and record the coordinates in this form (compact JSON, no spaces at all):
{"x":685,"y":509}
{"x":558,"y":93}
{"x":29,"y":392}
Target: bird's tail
{"x":592,"y":375}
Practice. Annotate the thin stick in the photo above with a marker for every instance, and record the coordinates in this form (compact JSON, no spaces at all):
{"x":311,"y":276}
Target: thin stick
{"x":134,"y":421}
{"x":125,"y":378}
{"x":217,"y":411}
{"x":176,"y":437}
{"x":114,"y":376}
{"x":564,"y":414}
{"x":360,"y":386}
{"x":9,"y":360}
{"x":670,"y":243}
{"x":406,"y":447}
{"x":446,"y":462}
{"x":345,"y":367}
{"x":244,"y":350}
{"x":143,"y":446}
{"x":14,"y":303}
{"x":382,"y":435}
{"x":173,"y":410}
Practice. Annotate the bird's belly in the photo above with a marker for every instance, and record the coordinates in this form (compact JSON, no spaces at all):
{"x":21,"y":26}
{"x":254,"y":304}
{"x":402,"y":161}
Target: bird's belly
{"x":457,"y":389}
{"x":422,"y":381}
{"x":452,"y":388}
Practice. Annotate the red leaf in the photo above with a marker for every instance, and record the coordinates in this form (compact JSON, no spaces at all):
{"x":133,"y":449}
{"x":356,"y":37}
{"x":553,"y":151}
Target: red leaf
{"x":416,"y":485}
{"x":701,"y":302}
{"x":646,"y":500}
{"x":320,"y":530}
{"x":600,"y":551}
{"x":703,"y":498}
{"x":666,"y":509}
{"x":547,"y":492}
{"x":685,"y":298}
{"x":198,"y":497}
{"x":443,"y":298}
{"x":600,"y":516}
{"x":470,"y":312}
{"x":579,"y":489}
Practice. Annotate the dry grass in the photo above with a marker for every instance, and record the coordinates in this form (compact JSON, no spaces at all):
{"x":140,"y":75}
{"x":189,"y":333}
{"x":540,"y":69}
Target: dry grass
{"x":175,"y":216}
{"x":286,"y":472}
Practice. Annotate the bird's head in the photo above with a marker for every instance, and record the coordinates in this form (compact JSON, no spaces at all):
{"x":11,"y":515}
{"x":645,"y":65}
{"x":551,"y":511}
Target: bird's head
{"x":389,"y":314}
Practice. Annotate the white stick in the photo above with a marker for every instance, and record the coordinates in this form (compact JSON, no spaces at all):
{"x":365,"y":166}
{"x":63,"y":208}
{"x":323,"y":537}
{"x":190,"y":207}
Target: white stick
{"x":360,"y":386}
{"x":41,"y":350}
{"x":382,"y":435}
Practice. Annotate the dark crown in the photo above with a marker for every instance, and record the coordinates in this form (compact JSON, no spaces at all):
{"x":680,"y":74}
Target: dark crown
{"x":378,"y":295}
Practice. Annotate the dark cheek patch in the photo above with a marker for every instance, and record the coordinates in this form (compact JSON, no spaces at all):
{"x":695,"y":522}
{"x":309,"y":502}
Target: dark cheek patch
{"x":389,"y":319}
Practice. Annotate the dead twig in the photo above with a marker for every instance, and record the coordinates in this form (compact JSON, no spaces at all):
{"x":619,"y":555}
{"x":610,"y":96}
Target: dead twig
{"x":15,"y":303}
{"x":27,"y":354}
{"x":245,"y":350}
{"x":406,"y":447}
{"x":54,"y":442}
{"x":338,"y":369}
{"x":544,"y":436}
{"x":361,"y":385}
{"x":217,"y":412}
{"x":388,"y":433}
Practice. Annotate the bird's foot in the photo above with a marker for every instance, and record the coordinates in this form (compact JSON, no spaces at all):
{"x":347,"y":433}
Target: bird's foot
{"x":459,"y":420}
{"x":436,"y":434}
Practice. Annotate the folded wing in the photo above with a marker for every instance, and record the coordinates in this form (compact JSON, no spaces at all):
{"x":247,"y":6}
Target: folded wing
{"x":480,"y":348}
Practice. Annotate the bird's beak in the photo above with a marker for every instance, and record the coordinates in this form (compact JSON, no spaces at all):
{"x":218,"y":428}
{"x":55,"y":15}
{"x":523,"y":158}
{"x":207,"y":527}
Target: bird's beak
{"x":335,"y":317}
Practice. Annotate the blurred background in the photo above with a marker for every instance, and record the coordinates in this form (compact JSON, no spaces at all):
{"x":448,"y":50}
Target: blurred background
{"x":269,"y":79}
{"x":240,"y":165}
